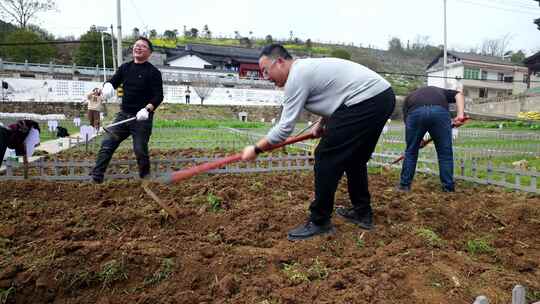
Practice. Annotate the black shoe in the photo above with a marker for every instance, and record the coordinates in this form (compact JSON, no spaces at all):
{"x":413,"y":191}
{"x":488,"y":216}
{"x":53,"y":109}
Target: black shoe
{"x":96,"y":180}
{"x":364,"y":221}
{"x":309,"y":230}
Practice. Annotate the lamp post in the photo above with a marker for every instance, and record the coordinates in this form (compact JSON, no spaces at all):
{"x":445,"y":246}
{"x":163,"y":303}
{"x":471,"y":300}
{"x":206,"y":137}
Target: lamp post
{"x":102,"y":29}
{"x":445,"y":58}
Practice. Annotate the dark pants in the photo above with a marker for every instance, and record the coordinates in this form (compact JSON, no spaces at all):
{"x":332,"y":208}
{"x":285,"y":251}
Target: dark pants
{"x":436,"y":120}
{"x":350,"y":139}
{"x":187,"y":99}
{"x":140,"y":132}
{"x":93,"y":117}
{"x":4,"y":136}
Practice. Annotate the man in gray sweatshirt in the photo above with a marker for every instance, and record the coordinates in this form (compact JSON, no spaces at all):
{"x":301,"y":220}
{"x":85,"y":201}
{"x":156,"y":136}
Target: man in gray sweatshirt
{"x":354,"y":103}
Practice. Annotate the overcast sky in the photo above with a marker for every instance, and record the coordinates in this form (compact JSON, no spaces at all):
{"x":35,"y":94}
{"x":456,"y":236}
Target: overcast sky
{"x":362,"y":22}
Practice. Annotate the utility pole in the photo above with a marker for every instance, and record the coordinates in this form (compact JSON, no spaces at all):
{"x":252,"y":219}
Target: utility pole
{"x":103,"y":29}
{"x":119,"y":21}
{"x":445,"y":58}
{"x":112,"y":48}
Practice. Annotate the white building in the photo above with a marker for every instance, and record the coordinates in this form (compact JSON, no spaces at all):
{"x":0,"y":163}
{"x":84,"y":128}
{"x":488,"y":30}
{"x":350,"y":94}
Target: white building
{"x":479,"y":76}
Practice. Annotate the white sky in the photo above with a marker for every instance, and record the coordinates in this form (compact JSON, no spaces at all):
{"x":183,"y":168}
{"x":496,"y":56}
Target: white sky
{"x":362,"y":22}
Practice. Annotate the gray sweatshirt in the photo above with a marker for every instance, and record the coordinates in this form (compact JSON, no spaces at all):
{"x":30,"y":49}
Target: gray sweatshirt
{"x":321,"y":85}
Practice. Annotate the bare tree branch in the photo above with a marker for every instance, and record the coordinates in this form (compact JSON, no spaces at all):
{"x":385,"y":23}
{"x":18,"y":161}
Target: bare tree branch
{"x":203,"y":85}
{"x":22,"y":11}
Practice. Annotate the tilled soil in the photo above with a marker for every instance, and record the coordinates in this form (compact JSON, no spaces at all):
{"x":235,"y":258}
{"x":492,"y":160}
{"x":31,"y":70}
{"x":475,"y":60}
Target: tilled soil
{"x":66,"y":242}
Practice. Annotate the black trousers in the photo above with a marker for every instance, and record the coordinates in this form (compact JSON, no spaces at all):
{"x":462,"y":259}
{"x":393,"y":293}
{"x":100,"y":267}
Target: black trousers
{"x":350,"y":139}
{"x":4,"y":137}
{"x":140,"y":132}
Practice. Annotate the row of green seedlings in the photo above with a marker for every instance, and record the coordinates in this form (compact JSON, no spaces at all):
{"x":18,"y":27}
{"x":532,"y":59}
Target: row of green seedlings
{"x":474,"y":246}
{"x":112,"y":272}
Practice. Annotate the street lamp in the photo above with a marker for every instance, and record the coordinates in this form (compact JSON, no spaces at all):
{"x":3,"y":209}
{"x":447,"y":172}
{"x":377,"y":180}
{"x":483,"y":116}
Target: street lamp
{"x":102,"y":29}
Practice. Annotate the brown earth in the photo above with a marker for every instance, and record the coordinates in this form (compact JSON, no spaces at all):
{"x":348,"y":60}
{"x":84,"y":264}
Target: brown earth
{"x":66,"y":242}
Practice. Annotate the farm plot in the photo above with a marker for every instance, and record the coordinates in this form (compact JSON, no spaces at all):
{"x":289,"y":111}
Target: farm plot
{"x":69,"y":242}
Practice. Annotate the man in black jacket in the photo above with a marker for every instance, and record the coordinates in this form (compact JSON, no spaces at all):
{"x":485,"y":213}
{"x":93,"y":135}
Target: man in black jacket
{"x":143,"y":92}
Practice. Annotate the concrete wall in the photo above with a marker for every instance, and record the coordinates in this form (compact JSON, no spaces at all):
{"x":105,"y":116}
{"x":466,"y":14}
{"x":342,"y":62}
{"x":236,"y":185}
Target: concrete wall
{"x":509,"y":108}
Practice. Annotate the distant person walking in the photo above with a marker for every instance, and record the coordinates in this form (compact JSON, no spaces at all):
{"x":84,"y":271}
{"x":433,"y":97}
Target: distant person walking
{"x":426,"y":110}
{"x":95,"y":104}
{"x":188,"y":92}
{"x":143,"y":93}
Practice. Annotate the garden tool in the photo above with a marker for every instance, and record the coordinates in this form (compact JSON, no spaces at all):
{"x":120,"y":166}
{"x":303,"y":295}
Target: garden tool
{"x":189,"y":172}
{"x":106,"y":128}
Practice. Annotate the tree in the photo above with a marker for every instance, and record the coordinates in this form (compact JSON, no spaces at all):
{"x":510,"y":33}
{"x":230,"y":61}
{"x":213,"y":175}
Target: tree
{"x":203,"y":85}
{"x":309,"y":44}
{"x":394,"y":45}
{"x":168,"y":34}
{"x":33,"y":52}
{"x":206,"y":32}
{"x":194,"y":32}
{"x":341,"y":53}
{"x":518,"y":57}
{"x":153,"y":34}
{"x":22,"y":11}
{"x":268,"y":39}
{"x":89,"y":52}
{"x":496,"y":47}
{"x":237,"y":35}
{"x":136,"y":33}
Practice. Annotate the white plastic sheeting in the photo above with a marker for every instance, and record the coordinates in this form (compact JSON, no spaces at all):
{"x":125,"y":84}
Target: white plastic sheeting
{"x":54,"y":90}
{"x":32,"y":116}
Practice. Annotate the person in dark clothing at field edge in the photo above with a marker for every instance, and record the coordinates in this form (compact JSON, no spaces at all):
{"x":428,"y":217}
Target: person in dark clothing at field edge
{"x":143,"y":92}
{"x":426,"y":110}
{"x":354,"y":103}
{"x":14,"y":137}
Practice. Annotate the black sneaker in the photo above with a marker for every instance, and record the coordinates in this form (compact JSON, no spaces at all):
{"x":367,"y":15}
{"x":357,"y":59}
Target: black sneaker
{"x":364,"y":221}
{"x":309,"y":230}
{"x":96,"y":180}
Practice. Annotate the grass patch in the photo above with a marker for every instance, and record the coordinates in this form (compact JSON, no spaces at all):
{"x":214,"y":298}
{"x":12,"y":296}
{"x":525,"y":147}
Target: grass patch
{"x":295,"y":273}
{"x":207,"y":123}
{"x":430,"y":237}
{"x":111,"y":272}
{"x":479,"y":246}
{"x":214,"y":202}
{"x":161,"y":274}
{"x":317,"y":271}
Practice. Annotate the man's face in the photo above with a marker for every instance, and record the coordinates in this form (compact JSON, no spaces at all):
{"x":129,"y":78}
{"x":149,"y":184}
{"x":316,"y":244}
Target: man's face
{"x":274,"y":70}
{"x":141,"y":51}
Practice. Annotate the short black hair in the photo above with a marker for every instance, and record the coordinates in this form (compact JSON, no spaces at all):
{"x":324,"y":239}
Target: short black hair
{"x":147,"y":41}
{"x":274,"y":51}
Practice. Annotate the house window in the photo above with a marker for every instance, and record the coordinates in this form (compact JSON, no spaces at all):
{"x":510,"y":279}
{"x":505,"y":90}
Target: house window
{"x":500,"y":76}
{"x":484,"y":75}
{"x":471,"y":73}
{"x":483,"y":93}
{"x":508,"y":78}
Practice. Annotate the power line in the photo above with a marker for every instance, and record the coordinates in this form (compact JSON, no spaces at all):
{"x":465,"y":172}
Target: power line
{"x":497,"y":7}
{"x":449,"y":77}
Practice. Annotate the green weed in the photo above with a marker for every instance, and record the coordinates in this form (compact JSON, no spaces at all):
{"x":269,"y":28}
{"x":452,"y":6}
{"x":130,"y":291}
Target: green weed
{"x":295,"y":273}
{"x":317,"y":271}
{"x":430,"y":237}
{"x":163,"y":273}
{"x":479,"y":246}
{"x":214,"y":201}
{"x":112,"y":271}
